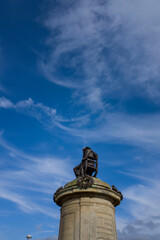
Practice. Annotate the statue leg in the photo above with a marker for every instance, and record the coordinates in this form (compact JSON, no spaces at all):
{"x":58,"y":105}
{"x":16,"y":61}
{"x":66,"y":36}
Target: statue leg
{"x":82,"y":171}
{"x":86,"y":167}
{"x":95,"y":174}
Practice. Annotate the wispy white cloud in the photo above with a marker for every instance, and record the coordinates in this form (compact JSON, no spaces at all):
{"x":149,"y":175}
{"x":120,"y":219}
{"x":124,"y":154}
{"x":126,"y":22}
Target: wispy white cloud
{"x":40,"y":175}
{"x":27,"y":105}
{"x":44,"y":114}
{"x":6,"y":103}
{"x":130,"y":233}
{"x":105,"y":49}
{"x":142,"y":205}
{"x":78,"y":53}
{"x":145,"y":197}
{"x":142,"y":130}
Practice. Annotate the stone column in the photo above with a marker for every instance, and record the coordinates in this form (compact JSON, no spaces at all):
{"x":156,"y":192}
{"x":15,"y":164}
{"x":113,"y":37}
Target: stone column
{"x":87,"y":213}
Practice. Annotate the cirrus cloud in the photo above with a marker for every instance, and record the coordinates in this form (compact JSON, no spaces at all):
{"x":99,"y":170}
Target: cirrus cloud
{"x":103,"y":50}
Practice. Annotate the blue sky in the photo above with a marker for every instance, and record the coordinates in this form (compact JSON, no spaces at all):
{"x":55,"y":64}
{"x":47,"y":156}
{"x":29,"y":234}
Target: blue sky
{"x":75,"y":74}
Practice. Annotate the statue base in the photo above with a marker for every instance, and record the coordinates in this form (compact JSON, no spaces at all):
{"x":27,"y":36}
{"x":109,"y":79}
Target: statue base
{"x":87,"y":212}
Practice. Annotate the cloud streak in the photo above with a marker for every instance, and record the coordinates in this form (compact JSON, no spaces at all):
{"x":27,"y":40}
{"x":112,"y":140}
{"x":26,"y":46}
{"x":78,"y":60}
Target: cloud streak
{"x":142,"y":201}
{"x":142,"y":130}
{"x":46,"y":115}
{"x":31,"y":174}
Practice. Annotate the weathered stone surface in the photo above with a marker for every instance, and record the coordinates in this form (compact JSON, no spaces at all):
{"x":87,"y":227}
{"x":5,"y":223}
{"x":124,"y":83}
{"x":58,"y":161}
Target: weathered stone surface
{"x":87,"y":214}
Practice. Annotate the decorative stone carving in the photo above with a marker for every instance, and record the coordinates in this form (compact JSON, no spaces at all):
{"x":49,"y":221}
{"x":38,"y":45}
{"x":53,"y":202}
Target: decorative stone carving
{"x":85,"y":182}
{"x":58,"y":190}
{"x":116,"y":190}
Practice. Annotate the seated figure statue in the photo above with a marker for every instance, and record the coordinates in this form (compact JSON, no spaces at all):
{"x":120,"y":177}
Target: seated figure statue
{"x":88,"y":165}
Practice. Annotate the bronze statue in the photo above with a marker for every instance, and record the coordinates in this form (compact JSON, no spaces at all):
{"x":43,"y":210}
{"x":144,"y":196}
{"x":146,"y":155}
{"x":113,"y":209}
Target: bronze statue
{"x":88,"y":165}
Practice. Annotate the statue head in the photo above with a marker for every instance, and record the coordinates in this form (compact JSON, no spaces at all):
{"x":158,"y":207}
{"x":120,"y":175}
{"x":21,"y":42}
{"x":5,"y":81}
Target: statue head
{"x":89,"y":153}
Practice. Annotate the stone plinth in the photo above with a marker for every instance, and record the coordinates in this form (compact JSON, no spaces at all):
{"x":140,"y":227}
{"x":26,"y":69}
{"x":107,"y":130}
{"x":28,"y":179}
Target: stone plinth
{"x":87,"y":214}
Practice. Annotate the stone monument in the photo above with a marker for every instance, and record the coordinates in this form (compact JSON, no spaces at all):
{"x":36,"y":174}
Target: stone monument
{"x":87,"y":204}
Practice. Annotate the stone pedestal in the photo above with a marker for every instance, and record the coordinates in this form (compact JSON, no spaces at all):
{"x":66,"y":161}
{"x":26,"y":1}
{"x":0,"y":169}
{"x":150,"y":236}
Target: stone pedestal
{"x":87,"y":214}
